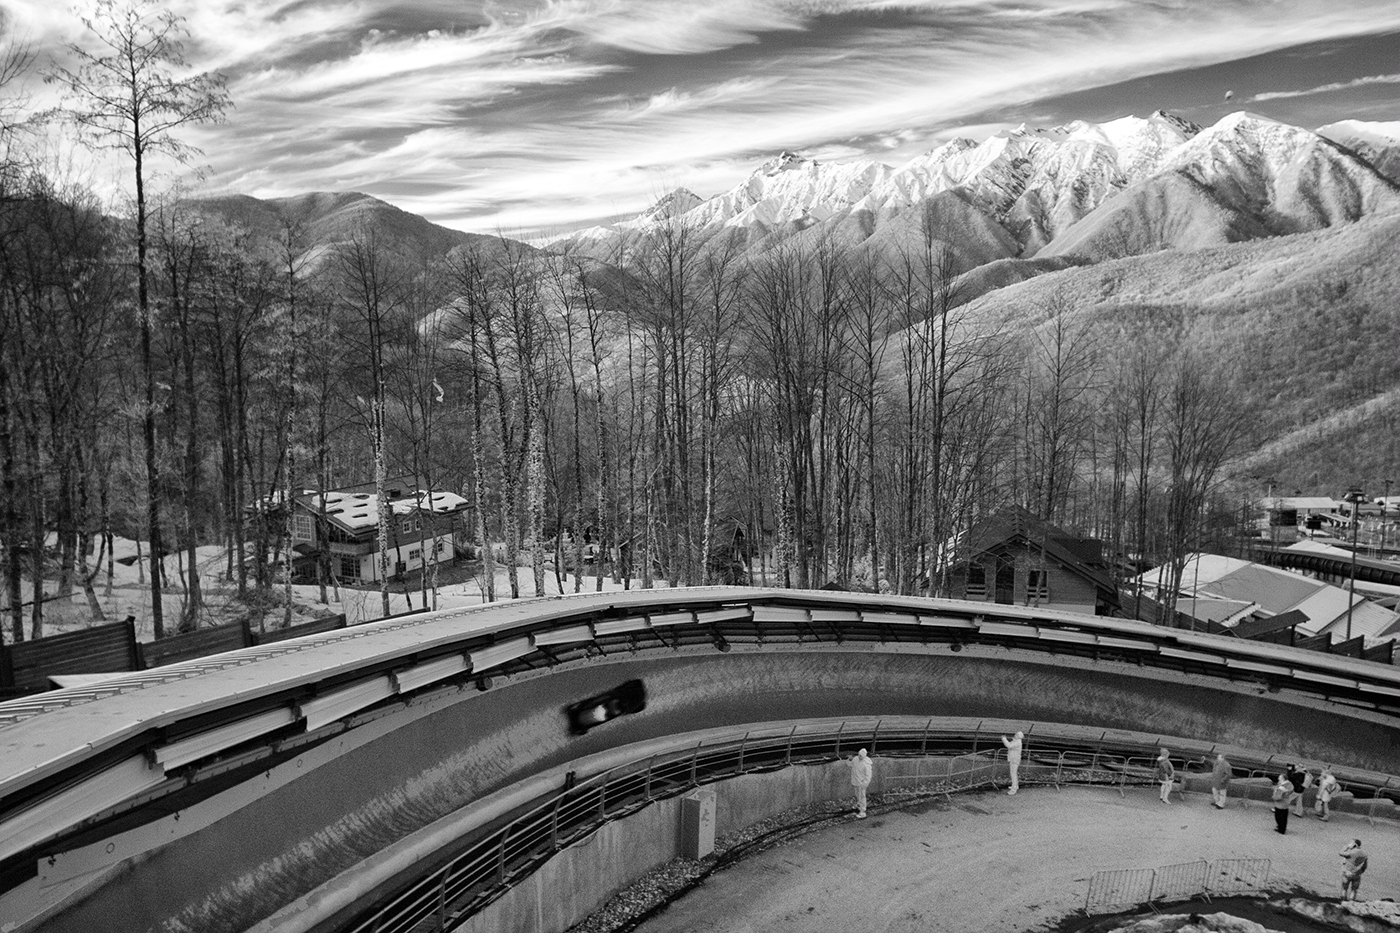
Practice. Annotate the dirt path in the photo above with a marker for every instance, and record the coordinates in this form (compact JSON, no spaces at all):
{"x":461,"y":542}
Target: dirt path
{"x":989,"y":862}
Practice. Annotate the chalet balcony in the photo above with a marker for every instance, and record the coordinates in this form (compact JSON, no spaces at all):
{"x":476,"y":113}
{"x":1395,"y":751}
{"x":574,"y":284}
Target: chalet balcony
{"x":352,"y":548}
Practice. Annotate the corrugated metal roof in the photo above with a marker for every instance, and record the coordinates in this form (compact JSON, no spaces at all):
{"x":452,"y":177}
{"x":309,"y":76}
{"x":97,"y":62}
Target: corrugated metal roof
{"x":1212,"y":609}
{"x":1301,"y":503}
{"x":1366,"y":619}
{"x":1201,"y":570}
{"x":1274,"y":590}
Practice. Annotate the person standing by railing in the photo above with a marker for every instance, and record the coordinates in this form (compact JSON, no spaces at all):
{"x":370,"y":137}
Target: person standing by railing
{"x":862,"y":771}
{"x":1354,"y":863}
{"x":1326,"y":786}
{"x":1013,"y":759}
{"x":1220,"y":774}
{"x":1283,"y":792}
{"x":1166,"y":774}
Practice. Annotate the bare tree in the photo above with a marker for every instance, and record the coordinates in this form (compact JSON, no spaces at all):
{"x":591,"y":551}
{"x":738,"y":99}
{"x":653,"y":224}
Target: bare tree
{"x":1202,"y":427}
{"x":1059,"y":377}
{"x":371,"y":291}
{"x":127,"y":96}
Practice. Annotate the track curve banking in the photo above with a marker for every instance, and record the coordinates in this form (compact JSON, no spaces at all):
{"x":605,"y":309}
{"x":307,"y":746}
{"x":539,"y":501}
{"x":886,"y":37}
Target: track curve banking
{"x":219,"y":790}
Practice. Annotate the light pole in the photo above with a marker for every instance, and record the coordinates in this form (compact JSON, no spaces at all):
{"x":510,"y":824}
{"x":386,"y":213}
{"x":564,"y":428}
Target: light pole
{"x":1385,"y":501}
{"x":1355,"y":496}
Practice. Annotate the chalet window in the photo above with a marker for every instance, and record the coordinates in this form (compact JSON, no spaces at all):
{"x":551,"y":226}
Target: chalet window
{"x":301,"y":528}
{"x":407,"y":525}
{"x":976,"y":581}
{"x":349,"y":569}
{"x":440,"y":546}
{"x":1038,"y":585}
{"x":415,"y":553}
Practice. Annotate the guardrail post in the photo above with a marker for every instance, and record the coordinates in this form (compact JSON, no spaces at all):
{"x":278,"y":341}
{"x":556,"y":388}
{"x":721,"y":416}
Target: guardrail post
{"x":554,"y":824}
{"x":743,"y":743}
{"x":875,"y":736}
{"x":442,"y":903}
{"x":839,"y":730}
{"x":923,"y":747}
{"x":1059,"y":770}
{"x":501,"y":856}
{"x":694,"y":763}
{"x":650,"y":763}
{"x":603,"y":800}
{"x":787,"y":760}
{"x":977,"y":733}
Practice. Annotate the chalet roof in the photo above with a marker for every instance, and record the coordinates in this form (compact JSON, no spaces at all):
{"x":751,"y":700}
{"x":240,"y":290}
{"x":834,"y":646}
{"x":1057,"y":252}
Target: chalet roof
{"x":355,"y":509}
{"x":1016,"y":525}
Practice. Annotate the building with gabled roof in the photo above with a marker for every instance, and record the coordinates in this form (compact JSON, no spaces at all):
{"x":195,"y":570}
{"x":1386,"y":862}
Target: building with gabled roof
{"x":1015,"y":558}
{"x":422,"y":523}
{"x":1313,"y":607}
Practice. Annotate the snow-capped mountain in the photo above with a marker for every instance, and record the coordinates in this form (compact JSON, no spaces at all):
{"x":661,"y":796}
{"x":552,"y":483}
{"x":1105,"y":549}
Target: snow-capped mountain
{"x":1092,"y":190}
{"x":791,"y":190}
{"x":1377,"y":143}
{"x":1037,"y":182}
{"x":1243,"y":178}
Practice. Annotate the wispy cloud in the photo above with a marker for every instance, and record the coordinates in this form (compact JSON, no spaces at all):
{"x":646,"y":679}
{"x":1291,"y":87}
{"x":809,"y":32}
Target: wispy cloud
{"x":1329,"y":88}
{"x":533,"y":114}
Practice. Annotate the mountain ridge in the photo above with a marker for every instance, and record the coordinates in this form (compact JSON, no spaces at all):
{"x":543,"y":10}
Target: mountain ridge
{"x":324,"y":220}
{"x":1057,"y":190}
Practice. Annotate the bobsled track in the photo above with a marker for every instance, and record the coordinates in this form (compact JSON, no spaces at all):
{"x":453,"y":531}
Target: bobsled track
{"x":419,"y":772}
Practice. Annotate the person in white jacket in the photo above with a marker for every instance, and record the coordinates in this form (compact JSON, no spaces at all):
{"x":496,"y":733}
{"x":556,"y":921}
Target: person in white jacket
{"x":862,"y":770}
{"x":1327,"y":788}
{"x":1013,"y":759}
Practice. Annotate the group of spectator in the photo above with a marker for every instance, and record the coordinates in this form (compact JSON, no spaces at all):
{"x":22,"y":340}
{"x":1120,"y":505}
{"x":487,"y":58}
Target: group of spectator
{"x":1288,"y":792}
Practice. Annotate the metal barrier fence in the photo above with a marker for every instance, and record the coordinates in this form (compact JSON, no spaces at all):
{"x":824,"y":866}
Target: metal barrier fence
{"x":1127,"y":887}
{"x":498,"y":854}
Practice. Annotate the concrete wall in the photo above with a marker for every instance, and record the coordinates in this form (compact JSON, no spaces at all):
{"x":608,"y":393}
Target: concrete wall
{"x":581,"y":878}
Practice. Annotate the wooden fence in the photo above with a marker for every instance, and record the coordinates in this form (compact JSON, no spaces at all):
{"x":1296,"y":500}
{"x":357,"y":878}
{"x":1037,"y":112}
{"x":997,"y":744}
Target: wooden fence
{"x":104,"y":649}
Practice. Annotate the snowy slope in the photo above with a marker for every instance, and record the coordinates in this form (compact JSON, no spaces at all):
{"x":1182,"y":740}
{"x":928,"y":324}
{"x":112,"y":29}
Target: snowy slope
{"x":1377,"y":143}
{"x":1288,"y":178}
{"x":1037,"y":182}
{"x":790,"y":190}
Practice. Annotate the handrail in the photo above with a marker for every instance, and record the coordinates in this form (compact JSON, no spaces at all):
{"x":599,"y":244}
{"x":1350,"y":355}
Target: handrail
{"x":499,"y":855}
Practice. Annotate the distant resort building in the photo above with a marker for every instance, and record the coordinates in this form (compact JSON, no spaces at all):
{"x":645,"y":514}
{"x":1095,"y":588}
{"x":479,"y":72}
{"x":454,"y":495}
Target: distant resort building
{"x":1293,"y":516}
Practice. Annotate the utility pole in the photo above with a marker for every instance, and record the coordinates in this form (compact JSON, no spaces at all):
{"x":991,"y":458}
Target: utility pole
{"x":1354,"y":496}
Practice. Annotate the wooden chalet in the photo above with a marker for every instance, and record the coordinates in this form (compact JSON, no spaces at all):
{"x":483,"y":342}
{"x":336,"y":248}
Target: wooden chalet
{"x":1017,"y":559}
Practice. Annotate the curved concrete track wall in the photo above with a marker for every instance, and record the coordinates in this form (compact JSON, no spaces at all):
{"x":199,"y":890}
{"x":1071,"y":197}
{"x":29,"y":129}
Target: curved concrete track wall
{"x":232,"y":830}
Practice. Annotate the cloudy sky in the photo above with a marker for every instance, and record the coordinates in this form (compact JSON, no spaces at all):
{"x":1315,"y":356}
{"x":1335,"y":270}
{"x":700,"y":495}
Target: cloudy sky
{"x":532,"y":116}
